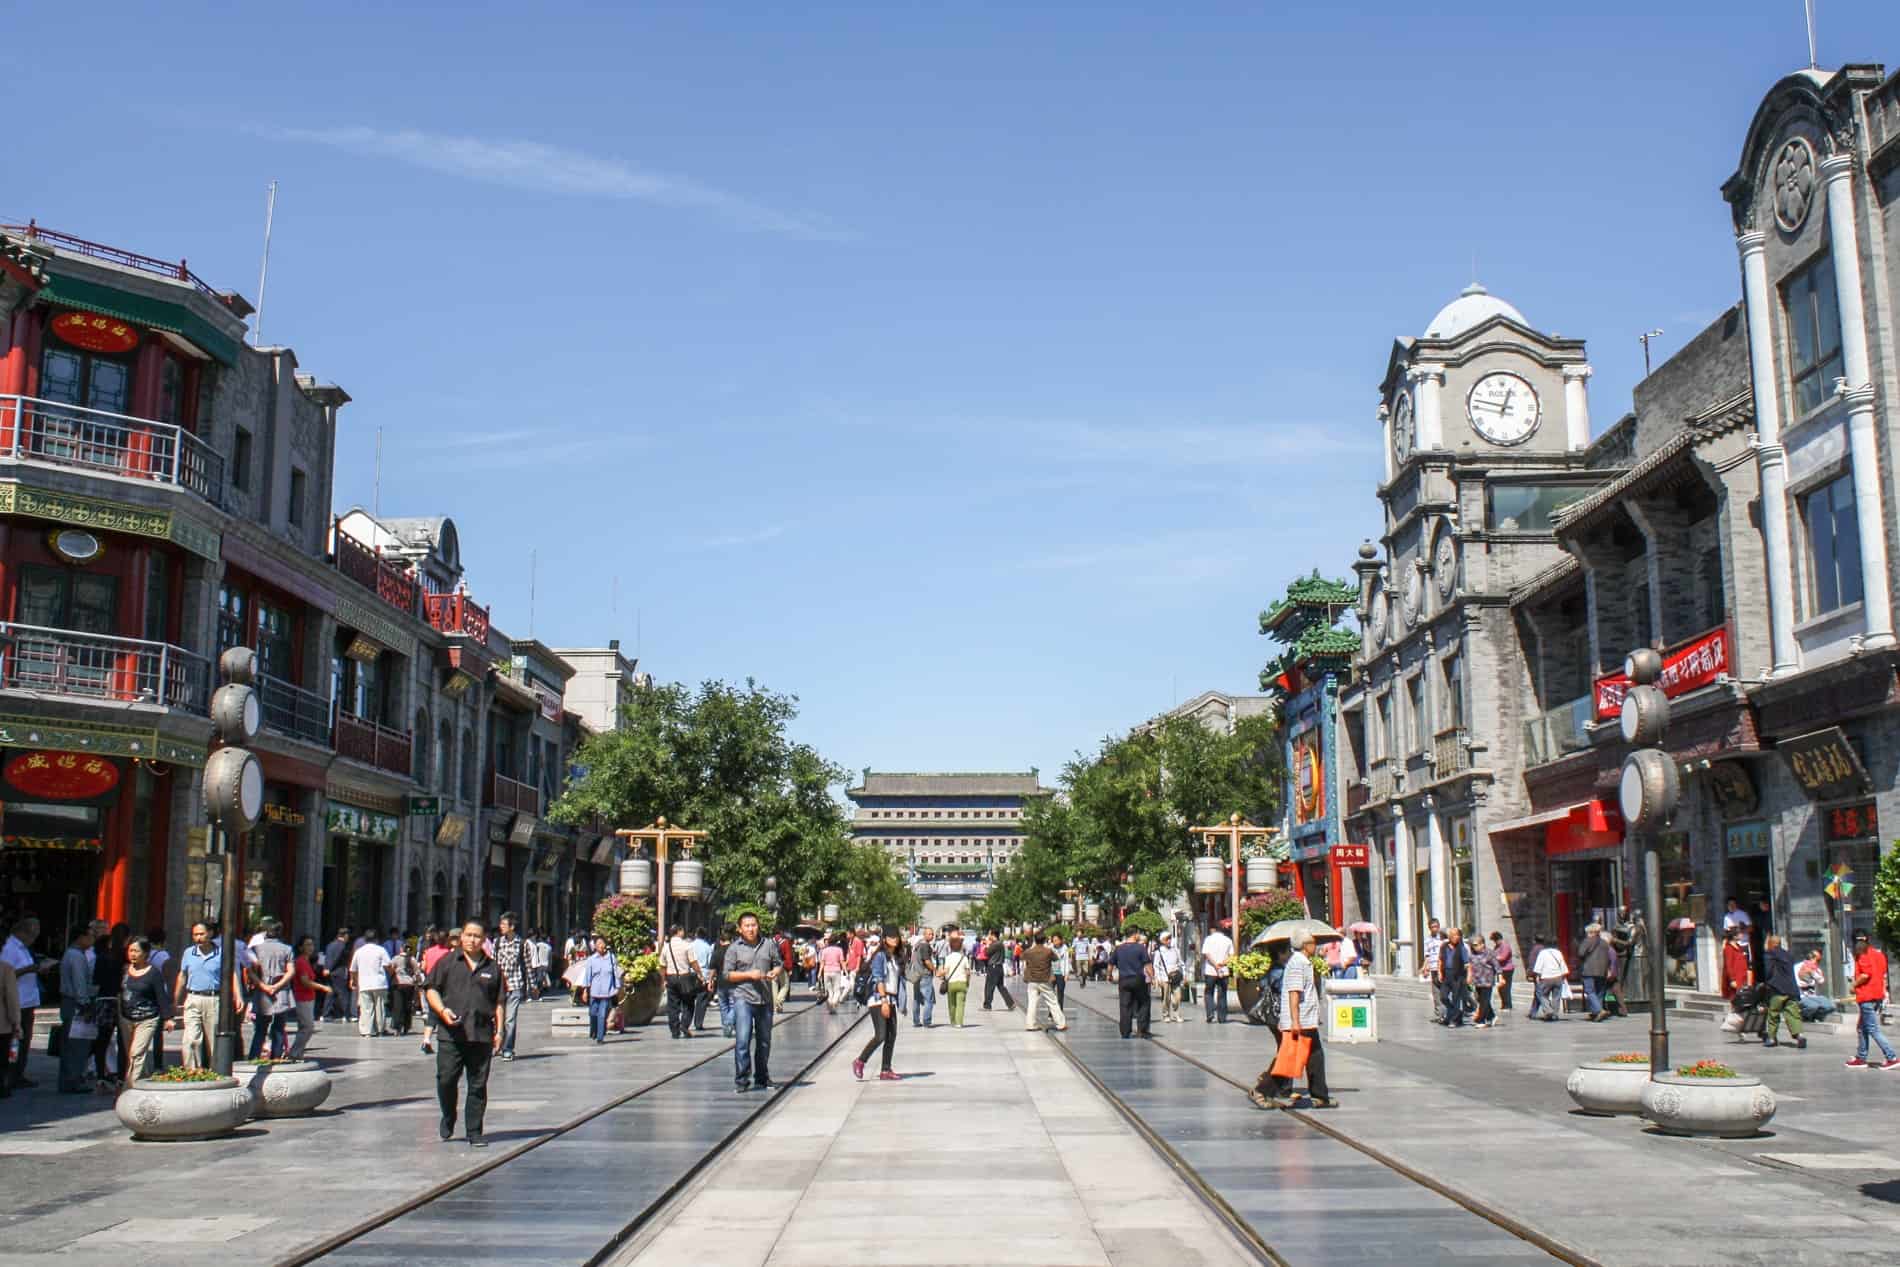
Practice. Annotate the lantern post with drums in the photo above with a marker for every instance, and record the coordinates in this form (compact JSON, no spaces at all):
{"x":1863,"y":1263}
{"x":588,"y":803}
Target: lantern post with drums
{"x":1207,"y":868}
{"x":1649,"y":789}
{"x":234,"y":801}
{"x":689,"y":880}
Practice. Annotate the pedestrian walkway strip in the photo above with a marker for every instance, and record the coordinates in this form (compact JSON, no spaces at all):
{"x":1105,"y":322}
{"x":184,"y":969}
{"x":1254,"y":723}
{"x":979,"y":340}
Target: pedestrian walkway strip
{"x":347,"y":1239}
{"x":1481,"y":1209}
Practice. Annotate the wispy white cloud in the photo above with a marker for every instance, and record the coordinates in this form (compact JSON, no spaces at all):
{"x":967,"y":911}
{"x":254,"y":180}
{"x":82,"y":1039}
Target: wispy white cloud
{"x":550,"y":169}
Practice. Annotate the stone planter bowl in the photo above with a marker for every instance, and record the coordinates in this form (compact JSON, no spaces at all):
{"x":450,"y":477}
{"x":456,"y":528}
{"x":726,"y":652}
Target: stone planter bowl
{"x":285,"y":1089}
{"x":642,"y":1003}
{"x":1726,"y":1108}
{"x":1608,"y":1088}
{"x":1247,"y":991}
{"x":185,"y":1110}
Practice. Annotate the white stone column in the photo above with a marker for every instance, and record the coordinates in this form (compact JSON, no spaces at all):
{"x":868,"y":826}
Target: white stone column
{"x":1431,"y":421}
{"x":1385,"y":431}
{"x":1405,"y":919}
{"x":1577,"y":407}
{"x":1770,"y":457}
{"x":1440,"y":859}
{"x":1863,"y":442}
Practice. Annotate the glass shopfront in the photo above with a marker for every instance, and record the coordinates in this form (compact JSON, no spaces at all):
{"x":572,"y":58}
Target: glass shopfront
{"x":1464,"y":888}
{"x":1681,"y":909}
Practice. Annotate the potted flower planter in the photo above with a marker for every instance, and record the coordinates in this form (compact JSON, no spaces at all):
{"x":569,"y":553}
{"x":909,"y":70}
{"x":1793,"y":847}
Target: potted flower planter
{"x":1607,"y":1088}
{"x":1720,"y":1103}
{"x":1247,"y":990}
{"x":156,"y":1109}
{"x":642,"y":1002}
{"x":284,"y":1088}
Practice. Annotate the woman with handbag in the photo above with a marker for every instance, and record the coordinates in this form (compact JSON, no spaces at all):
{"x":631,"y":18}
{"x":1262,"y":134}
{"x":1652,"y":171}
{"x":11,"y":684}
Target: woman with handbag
{"x":887,"y":967}
{"x":956,"y":979}
{"x":143,"y":1002}
{"x":1300,"y":1049}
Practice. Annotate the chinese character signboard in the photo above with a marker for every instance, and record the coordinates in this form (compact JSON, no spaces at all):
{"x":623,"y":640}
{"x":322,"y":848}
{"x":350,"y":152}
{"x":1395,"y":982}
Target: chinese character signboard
{"x":61,"y":776}
{"x":1747,"y":840}
{"x":1693,"y":665}
{"x":351,"y":821}
{"x":1345,"y":855}
{"x":1845,"y":824}
{"x":95,"y":333}
{"x":1826,"y":765}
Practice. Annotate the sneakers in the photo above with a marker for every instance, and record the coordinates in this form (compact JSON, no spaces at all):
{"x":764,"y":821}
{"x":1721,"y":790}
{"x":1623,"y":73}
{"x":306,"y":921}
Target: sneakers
{"x":1855,"y":1063}
{"x":1801,"y":1042}
{"x":1891,"y":1064}
{"x":889,"y":1076}
{"x":857,"y":1070}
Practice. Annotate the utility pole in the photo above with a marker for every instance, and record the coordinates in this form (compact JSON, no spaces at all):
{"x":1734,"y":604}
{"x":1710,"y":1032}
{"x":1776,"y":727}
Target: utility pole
{"x":1644,"y":339}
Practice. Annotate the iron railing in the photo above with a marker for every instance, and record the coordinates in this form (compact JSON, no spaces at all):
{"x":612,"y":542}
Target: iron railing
{"x":100,"y":666}
{"x":113,"y":254}
{"x":1450,"y":753}
{"x":388,"y":580}
{"x":363,"y":740}
{"x":1559,"y":731}
{"x":291,"y":710}
{"x":1381,"y":776}
{"x":33,"y":430}
{"x":456,"y":614}
{"x":507,"y":793}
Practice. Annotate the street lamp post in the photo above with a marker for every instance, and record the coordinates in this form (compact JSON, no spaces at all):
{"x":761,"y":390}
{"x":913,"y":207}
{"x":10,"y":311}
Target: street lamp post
{"x":660,"y":837}
{"x":1235,"y":830}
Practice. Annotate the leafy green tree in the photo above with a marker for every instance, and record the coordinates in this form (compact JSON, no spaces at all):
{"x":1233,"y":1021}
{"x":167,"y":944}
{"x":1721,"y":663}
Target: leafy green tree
{"x":718,"y":759}
{"x":874,"y":892}
{"x":1148,"y":923}
{"x":1887,"y":898}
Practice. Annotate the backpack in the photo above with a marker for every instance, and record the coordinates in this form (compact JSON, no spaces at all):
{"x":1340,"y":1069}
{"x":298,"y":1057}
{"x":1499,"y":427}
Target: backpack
{"x":861,"y":986}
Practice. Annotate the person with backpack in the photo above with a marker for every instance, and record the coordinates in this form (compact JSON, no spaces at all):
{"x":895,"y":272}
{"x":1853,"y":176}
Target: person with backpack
{"x":1454,"y":974}
{"x":993,"y":956}
{"x":885,"y":971}
{"x":1172,"y":972}
{"x":956,"y":979}
{"x":922,"y":972}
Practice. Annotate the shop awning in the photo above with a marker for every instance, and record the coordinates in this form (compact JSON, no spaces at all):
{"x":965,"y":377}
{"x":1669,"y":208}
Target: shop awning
{"x":1535,"y":820}
{"x":155,"y":314}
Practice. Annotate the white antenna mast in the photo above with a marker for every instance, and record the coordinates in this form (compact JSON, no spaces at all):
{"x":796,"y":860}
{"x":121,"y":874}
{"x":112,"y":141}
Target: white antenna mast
{"x":1813,"y":61}
{"x":263,"y":273}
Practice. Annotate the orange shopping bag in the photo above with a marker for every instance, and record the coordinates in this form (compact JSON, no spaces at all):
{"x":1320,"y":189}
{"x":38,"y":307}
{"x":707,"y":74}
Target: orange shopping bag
{"x":1290,"y":1062}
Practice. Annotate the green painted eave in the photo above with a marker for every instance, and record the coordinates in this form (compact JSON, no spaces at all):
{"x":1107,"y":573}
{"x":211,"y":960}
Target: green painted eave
{"x":156,"y":314}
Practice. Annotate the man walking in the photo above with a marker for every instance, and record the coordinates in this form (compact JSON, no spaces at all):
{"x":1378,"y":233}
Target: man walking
{"x":600,"y":982}
{"x":195,"y":997}
{"x":752,"y":967}
{"x":465,"y":996}
{"x":336,"y":967}
{"x":272,"y":1001}
{"x":369,"y":982}
{"x":1593,"y":963}
{"x":1430,"y":968}
{"x":1870,"y":991}
{"x":1299,"y":1018}
{"x":726,"y":934}
{"x":702,"y":964}
{"x":1784,"y":995}
{"x":1217,"y":948}
{"x":1172,"y":973}
{"x":923,"y":987}
{"x":682,"y":982}
{"x":515,"y":958}
{"x":27,"y":967}
{"x":1454,"y":972}
{"x":1134,"y":975}
{"x":1039,"y":981}
{"x":1548,"y":973}
{"x":994,"y":966}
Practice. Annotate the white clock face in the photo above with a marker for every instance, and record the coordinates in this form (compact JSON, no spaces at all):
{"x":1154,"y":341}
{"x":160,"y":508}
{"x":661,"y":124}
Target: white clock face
{"x":1445,"y":564}
{"x":1503,"y":408}
{"x":1402,"y":428}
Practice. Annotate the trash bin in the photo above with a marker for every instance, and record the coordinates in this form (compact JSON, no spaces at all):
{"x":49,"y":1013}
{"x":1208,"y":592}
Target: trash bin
{"x":1352,"y":1013}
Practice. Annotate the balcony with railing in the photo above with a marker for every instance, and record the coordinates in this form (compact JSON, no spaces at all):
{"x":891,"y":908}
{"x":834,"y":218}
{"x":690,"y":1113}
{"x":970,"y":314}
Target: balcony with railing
{"x":387,"y":579}
{"x":457,"y":614}
{"x":363,"y":740}
{"x":1358,"y":796}
{"x":1559,"y":731}
{"x":1451,"y":753}
{"x":102,"y":667}
{"x":293,"y":711}
{"x":179,"y":271}
{"x":1381,"y":776}
{"x":507,"y":793}
{"x":47,"y":433}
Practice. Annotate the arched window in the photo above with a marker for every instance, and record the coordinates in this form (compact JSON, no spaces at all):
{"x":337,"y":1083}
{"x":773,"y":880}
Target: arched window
{"x":420,"y":765}
{"x":468,"y":764}
{"x":445,"y":757}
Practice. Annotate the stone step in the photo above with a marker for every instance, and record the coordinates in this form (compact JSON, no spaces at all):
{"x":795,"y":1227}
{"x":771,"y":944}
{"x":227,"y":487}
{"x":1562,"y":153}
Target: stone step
{"x":568,"y":1018}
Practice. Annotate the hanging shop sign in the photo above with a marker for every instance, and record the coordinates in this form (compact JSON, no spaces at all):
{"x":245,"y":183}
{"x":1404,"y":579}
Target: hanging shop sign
{"x":1309,"y":780}
{"x":1690,"y":667}
{"x":282,"y":815}
{"x":1826,"y":765}
{"x":549,"y":701}
{"x":453,"y":831}
{"x":1352,"y":855}
{"x":95,"y":333}
{"x":1851,"y":824}
{"x":61,"y":776}
{"x":348,"y":820}
{"x":1733,"y":788}
{"x":85,"y":844}
{"x":1747,"y":840}
{"x":424,"y":806}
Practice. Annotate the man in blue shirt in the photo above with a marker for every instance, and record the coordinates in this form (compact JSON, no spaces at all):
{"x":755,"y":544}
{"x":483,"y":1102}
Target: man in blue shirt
{"x":601,"y":980}
{"x":1134,"y":975}
{"x":196,"y":996}
{"x":702,"y":955}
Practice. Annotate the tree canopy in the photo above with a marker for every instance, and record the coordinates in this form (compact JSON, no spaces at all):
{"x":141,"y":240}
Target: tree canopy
{"x":1121,"y":825}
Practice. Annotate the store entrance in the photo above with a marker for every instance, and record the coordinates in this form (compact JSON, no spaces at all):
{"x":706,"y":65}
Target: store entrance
{"x":1748,"y":883}
{"x":1582,"y":892}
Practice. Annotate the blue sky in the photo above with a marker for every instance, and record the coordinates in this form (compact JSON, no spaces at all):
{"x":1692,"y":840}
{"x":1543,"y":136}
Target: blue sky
{"x":974,"y":372}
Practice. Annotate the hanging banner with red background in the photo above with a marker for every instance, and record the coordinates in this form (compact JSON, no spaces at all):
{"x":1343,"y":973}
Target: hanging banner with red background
{"x":1689,"y":667}
{"x":95,"y":333}
{"x":61,"y":776}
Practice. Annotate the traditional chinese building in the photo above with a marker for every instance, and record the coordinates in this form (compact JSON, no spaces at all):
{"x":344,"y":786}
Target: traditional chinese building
{"x":950,"y":833}
{"x":1306,"y":678}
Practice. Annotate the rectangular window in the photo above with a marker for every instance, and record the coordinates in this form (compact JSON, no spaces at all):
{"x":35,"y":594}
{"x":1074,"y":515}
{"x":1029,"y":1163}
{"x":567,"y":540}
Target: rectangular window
{"x":1833,"y":531}
{"x":274,"y":641}
{"x":294,"y":511}
{"x":1454,"y":692}
{"x":1415,"y":702}
{"x":241,"y":460}
{"x":1387,"y":740}
{"x":1814,"y":335}
{"x":1527,"y":507}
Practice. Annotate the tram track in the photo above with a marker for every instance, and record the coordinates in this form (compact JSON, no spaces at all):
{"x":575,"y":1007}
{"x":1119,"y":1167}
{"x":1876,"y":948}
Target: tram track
{"x":1252,"y":1236}
{"x":424,"y":1201}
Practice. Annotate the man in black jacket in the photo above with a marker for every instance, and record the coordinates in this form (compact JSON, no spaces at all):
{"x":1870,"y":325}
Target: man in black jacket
{"x":1784,"y":994}
{"x":1593,"y":964}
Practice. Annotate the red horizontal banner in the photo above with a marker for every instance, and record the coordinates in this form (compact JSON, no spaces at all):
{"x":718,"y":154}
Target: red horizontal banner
{"x":1689,"y":667}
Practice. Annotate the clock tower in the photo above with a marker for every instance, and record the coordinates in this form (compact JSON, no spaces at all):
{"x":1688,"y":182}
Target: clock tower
{"x":1485,"y":422}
